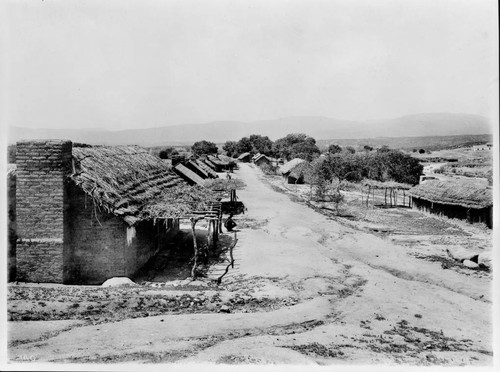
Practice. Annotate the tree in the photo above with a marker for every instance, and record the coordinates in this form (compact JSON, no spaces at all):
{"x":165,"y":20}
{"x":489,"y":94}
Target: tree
{"x":334,"y":149}
{"x":295,"y":145}
{"x":367,"y":148}
{"x":350,"y":150}
{"x":204,"y":147}
{"x":168,"y":152}
{"x":421,"y":151}
{"x":244,"y":145}
{"x":261,"y":144}
{"x":231,"y":148}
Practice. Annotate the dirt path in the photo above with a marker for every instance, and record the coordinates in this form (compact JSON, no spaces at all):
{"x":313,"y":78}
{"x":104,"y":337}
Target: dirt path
{"x":356,"y":299}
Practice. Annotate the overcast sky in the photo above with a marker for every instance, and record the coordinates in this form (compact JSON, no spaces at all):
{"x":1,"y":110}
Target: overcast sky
{"x":132,"y":64}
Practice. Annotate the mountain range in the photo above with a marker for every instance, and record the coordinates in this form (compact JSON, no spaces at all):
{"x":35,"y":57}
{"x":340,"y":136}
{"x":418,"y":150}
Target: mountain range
{"x":321,"y":128}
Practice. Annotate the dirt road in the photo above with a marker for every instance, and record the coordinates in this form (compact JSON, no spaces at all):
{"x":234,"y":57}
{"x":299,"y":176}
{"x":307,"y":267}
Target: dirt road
{"x":347,"y":297}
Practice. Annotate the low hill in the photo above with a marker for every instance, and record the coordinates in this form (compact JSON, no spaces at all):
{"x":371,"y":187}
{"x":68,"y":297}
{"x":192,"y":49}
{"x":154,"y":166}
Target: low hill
{"x":321,"y":128}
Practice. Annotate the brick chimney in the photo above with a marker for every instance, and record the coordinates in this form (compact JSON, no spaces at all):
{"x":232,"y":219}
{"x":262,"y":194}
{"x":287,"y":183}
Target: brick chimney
{"x":42,"y":169}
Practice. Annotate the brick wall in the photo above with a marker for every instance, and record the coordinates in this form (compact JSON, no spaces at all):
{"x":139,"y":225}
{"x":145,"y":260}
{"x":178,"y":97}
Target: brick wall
{"x":12,"y":230}
{"x":42,"y":168}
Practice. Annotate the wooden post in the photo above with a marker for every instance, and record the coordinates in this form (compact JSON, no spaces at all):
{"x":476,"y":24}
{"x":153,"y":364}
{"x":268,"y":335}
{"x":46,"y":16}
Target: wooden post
{"x":209,"y":235}
{"x":385,"y":197}
{"x":195,"y":246}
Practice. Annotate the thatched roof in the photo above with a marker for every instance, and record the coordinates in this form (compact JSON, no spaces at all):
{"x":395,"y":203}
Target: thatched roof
{"x":218,"y":160}
{"x":288,"y":166}
{"x":206,"y":168}
{"x":301,"y":170}
{"x":386,"y":185}
{"x":261,"y":156}
{"x":188,"y":175}
{"x":225,"y":185}
{"x":127,"y":181}
{"x":197,"y":169}
{"x":465,"y":193}
{"x":244,"y":155}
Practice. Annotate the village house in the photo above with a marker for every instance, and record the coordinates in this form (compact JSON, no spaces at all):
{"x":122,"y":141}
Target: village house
{"x":245,"y":157}
{"x":261,"y":159}
{"x":464,"y":199}
{"x":85,"y":214}
{"x":286,"y":168}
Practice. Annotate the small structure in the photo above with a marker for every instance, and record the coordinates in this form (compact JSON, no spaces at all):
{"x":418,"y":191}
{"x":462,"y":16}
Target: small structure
{"x":245,"y":157}
{"x":390,"y":188}
{"x":261,"y":159}
{"x":463,"y":199}
{"x":188,"y":175}
{"x":85,"y":214}
{"x":220,"y":163}
{"x":300,"y":174}
{"x":485,"y":146}
{"x":285,"y":170}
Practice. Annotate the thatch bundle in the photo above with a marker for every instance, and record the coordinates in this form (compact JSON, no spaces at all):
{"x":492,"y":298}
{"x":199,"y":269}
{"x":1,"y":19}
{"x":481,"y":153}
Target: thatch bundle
{"x":127,"y":181}
{"x":386,"y":185}
{"x":465,"y":193}
{"x":287,"y":167}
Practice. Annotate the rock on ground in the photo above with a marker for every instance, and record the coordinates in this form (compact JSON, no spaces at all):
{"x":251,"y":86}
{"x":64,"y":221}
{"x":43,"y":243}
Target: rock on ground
{"x":118,"y":282}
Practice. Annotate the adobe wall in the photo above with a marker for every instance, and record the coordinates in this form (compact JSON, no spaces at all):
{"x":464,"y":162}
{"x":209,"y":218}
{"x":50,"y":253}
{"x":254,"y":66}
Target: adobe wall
{"x":96,"y":241}
{"x":102,"y":246}
{"x":42,"y":168}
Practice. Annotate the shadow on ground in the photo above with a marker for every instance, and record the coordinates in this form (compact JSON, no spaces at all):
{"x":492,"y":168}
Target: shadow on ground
{"x":175,"y":261}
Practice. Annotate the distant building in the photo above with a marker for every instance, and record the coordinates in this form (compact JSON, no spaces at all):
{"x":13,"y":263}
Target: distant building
{"x":463,"y":199}
{"x":486,"y":146}
{"x":261,"y":159}
{"x":287,"y":168}
{"x":245,"y":157}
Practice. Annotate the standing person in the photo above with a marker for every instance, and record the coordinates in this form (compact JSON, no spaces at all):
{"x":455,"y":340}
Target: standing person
{"x":230,"y":224}
{"x":228,"y":175}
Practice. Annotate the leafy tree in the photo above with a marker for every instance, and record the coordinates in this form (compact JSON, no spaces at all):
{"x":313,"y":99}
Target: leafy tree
{"x":421,"y":151}
{"x":350,"y":149}
{"x":297,"y":145}
{"x":204,"y":147}
{"x":168,"y":152}
{"x":367,"y":148}
{"x":261,"y":144}
{"x":244,"y":145}
{"x":231,"y":148}
{"x":334,"y":149}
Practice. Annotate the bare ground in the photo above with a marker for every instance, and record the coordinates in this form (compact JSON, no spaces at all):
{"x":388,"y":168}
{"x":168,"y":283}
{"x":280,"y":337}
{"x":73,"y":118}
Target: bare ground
{"x":307,"y":287}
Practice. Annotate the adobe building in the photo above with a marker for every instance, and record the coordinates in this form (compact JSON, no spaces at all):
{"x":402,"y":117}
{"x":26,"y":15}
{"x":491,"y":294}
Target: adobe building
{"x":85,"y":214}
